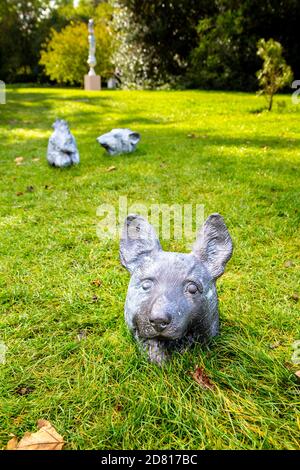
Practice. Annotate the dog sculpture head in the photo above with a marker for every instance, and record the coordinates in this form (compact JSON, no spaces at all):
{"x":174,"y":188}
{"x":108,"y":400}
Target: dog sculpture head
{"x":172,"y":297}
{"x":119,"y":141}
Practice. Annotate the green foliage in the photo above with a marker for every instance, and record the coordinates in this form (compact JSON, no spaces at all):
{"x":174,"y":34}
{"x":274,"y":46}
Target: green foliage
{"x":215,"y":61}
{"x":155,"y":39}
{"x":275,"y":73}
{"x":23,"y":27}
{"x":100,"y":392}
{"x":65,"y":56}
{"x":207,"y":44}
{"x":225,"y":57}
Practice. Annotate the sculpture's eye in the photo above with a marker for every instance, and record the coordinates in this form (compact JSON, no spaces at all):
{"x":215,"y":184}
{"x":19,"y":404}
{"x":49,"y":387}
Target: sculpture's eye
{"x":193,"y":288}
{"x":147,"y":284}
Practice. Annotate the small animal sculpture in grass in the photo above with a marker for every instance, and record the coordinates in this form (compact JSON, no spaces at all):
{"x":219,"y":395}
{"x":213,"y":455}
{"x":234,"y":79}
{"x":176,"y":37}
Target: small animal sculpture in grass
{"x":172,"y":299}
{"x":119,"y":141}
{"x":62,"y":150}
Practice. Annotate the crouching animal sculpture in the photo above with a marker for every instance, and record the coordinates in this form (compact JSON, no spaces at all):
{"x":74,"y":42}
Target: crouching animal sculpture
{"x":172,"y":298}
{"x":62,"y":149}
{"x":119,"y":141}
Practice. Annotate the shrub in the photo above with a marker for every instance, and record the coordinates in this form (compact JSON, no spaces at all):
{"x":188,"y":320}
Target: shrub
{"x":65,"y":55}
{"x":275,"y":73}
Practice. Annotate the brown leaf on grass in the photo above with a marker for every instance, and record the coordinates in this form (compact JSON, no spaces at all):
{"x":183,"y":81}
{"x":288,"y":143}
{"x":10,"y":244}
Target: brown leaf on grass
{"x":19,"y":193}
{"x":12,"y":443}
{"x":96,"y":282}
{"x":46,"y":438}
{"x":192,"y":136}
{"x":295,"y":297}
{"x":82,"y":334}
{"x":202,"y":379}
{"x":275,"y":345}
{"x":111,"y":168}
{"x":289,"y":264}
{"x":19,"y":160}
{"x":23,"y":390}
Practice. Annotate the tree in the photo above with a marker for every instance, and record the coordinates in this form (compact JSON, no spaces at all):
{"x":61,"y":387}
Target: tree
{"x":225,"y":55}
{"x":23,"y":27}
{"x":156,"y":38}
{"x":275,"y":73}
{"x":65,"y":55}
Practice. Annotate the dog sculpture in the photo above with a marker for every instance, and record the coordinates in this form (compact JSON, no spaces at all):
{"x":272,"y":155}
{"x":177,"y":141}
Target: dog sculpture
{"x":172,"y":298}
{"x":62,"y":150}
{"x":119,"y":141}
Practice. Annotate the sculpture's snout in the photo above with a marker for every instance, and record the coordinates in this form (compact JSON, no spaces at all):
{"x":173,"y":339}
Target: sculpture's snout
{"x":160,"y":317}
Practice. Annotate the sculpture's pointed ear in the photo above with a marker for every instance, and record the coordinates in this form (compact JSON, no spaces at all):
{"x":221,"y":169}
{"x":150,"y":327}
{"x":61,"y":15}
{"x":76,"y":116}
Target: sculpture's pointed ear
{"x":213,"y":245}
{"x":134,"y":137}
{"x":137,"y":241}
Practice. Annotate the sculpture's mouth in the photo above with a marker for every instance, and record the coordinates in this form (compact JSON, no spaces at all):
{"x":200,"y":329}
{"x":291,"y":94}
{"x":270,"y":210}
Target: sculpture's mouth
{"x":167,"y":333}
{"x":106,"y":146}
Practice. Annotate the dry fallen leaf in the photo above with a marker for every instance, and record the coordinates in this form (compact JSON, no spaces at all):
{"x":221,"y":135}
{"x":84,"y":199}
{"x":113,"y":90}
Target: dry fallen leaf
{"x":19,"y":160}
{"x":96,"y":282}
{"x":81,"y":335}
{"x":12,"y":443}
{"x":192,"y":136}
{"x":46,"y":438}
{"x":289,"y":264}
{"x":295,"y":297}
{"x":23,"y":390}
{"x":19,"y":193}
{"x":111,"y":168}
{"x":275,"y":345}
{"x":202,"y":379}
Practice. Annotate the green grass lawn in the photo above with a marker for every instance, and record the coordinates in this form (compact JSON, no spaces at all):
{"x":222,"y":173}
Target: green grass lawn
{"x":100,"y":392}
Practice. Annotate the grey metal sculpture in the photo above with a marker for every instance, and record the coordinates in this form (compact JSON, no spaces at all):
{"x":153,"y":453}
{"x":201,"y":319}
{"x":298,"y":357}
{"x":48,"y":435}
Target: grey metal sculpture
{"x":62,"y":150}
{"x":119,"y":141}
{"x":92,"y":48}
{"x":172,"y":298}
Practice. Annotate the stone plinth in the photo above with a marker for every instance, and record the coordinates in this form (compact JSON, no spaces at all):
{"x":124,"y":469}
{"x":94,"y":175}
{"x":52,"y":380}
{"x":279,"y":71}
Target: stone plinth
{"x":92,"y":82}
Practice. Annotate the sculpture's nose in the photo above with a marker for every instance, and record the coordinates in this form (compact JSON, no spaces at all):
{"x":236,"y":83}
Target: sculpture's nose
{"x":159,"y":317}
{"x":160,"y":323}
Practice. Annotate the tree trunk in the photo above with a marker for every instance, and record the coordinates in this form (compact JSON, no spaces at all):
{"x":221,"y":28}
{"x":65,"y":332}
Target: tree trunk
{"x":270,"y":102}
